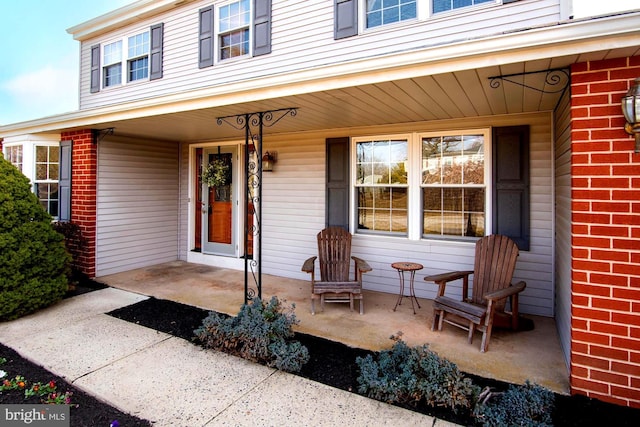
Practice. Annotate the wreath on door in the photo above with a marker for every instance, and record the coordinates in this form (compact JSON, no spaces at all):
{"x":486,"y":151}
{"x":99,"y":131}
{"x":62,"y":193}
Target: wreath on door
{"x":216,"y":174}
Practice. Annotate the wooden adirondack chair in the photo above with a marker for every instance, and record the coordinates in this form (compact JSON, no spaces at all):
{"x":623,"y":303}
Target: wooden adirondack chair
{"x":495,"y":262}
{"x":334,"y":253}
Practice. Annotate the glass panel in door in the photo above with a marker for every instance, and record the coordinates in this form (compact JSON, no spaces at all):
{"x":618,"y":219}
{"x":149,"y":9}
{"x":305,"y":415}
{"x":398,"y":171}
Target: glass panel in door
{"x":219,"y":202}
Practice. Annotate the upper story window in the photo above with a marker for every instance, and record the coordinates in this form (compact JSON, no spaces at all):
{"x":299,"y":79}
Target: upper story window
{"x":233,"y":29}
{"x":354,"y":16}
{"x":137,"y":60}
{"x":446,"y":5}
{"x":383,"y":12}
{"x":112,"y":60}
{"x":234,"y":21}
{"x":136,"y":57}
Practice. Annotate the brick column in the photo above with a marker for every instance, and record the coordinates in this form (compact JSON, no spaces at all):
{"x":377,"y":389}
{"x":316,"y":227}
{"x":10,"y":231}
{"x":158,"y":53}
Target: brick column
{"x":83,"y":193}
{"x":605,"y":339}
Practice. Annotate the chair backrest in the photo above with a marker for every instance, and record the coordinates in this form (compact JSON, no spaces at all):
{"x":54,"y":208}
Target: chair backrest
{"x":334,"y":254}
{"x":495,"y":263}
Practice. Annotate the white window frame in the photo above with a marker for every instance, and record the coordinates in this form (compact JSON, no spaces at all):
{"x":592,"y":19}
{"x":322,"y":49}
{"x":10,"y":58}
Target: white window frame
{"x":218,"y":33}
{"x":48,"y":180}
{"x":487,"y":185}
{"x":9,"y":154}
{"x":125,"y":60}
{"x":424,"y":12}
{"x":355,"y":185}
{"x":414,"y":182}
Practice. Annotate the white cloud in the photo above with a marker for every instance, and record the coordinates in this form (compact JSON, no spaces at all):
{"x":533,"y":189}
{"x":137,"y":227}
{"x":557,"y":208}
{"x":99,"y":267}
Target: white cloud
{"x":44,"y":92}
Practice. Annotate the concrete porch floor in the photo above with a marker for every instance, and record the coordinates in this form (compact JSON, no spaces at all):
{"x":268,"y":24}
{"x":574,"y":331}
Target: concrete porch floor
{"x":514,"y":357}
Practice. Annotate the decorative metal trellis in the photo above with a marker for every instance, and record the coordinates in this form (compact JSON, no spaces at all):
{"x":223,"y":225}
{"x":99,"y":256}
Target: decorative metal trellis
{"x":556,"y":78}
{"x":253,"y":125}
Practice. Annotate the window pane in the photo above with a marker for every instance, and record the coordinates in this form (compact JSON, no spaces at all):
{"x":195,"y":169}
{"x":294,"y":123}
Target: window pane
{"x":112,"y":75}
{"x":138,"y":45}
{"x":473,"y":165}
{"x":41,"y":171}
{"x":452,"y":160}
{"x":380,"y":170}
{"x":42,"y":154}
{"x":112,"y":53}
{"x":234,"y":44}
{"x":139,"y":69}
{"x":453,"y":194}
{"x":389,"y":11}
{"x":445,"y":5}
{"x":431,"y":160}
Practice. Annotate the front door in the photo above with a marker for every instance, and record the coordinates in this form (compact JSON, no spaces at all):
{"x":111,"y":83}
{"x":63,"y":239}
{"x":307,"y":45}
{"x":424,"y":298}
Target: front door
{"x":219,"y":203}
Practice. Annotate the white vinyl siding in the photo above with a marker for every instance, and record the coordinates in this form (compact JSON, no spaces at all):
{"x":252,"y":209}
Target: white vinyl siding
{"x":294,"y":211}
{"x":563,"y":223}
{"x":290,"y":53}
{"x":137,"y":206}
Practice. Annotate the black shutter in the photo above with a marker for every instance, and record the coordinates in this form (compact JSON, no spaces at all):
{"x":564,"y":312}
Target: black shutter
{"x":345,"y":19}
{"x":261,"y":27}
{"x":64,"y":181}
{"x":337,"y":202}
{"x":511,"y":184}
{"x":205,"y":47}
{"x":95,"y":68}
{"x":157,"y":36}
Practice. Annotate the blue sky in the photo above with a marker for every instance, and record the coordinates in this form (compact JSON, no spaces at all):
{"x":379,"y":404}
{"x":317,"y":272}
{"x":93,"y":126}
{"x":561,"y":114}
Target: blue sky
{"x":38,"y":58}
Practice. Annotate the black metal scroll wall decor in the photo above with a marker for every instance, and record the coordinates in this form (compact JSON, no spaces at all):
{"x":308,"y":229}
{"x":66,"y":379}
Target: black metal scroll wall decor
{"x":253,"y":125}
{"x":556,"y":80}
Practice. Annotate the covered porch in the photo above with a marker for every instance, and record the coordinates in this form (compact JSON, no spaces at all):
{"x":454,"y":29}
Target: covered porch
{"x":533,"y":355}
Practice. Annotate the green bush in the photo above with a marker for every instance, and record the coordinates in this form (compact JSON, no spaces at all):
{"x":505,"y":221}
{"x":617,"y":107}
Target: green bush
{"x":410,"y":375}
{"x":261,"y":332}
{"x":33,"y":259}
{"x":527,"y":405}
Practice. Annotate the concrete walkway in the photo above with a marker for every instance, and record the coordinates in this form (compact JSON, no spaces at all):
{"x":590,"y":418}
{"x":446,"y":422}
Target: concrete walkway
{"x":172,"y":382}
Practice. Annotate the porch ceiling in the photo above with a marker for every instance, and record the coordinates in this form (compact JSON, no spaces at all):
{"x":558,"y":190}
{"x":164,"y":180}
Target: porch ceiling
{"x":454,"y":95}
{"x":444,"y":96}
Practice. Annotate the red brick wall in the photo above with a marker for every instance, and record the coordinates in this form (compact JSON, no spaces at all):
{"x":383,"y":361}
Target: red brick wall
{"x":605,"y":342}
{"x":83,"y":192}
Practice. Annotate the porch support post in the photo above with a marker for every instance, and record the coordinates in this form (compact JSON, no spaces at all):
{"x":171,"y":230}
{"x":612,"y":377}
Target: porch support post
{"x":253,"y":190}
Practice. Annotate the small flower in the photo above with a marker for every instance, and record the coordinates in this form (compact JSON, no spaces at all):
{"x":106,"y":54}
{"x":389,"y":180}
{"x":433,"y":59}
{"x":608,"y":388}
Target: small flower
{"x":3,"y":373}
{"x":52,"y":384}
{"x":114,"y":423}
{"x":21,"y":384}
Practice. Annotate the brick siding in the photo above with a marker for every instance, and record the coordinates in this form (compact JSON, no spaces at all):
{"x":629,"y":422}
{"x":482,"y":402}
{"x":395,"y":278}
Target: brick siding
{"x":83,"y":193}
{"x":605,"y":342}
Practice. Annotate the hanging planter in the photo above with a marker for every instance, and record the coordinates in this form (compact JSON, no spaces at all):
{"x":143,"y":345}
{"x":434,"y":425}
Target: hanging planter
{"x":216,"y":174}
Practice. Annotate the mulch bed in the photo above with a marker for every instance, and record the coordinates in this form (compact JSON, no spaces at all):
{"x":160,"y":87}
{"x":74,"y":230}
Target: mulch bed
{"x":331,"y":363}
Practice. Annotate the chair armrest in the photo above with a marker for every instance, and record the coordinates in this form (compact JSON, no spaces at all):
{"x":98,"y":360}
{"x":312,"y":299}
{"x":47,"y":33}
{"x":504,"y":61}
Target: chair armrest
{"x":442,"y":279}
{"x":448,"y":277}
{"x":309,"y":265}
{"x":506,"y":292}
{"x":361,"y":265}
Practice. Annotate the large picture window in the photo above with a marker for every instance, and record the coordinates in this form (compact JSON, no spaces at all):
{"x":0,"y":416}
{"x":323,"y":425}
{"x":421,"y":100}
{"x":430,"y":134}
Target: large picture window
{"x":453,"y":185}
{"x":434,"y":185}
{"x":382,"y":184}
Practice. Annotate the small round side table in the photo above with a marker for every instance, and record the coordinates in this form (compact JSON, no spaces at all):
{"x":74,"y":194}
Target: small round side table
{"x":411,"y":267}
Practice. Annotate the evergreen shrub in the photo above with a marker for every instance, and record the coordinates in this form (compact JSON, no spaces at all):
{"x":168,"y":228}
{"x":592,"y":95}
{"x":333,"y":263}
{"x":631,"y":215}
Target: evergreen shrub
{"x":261,"y":332}
{"x":409,"y":375}
{"x":528,"y":405}
{"x":33,"y":259}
